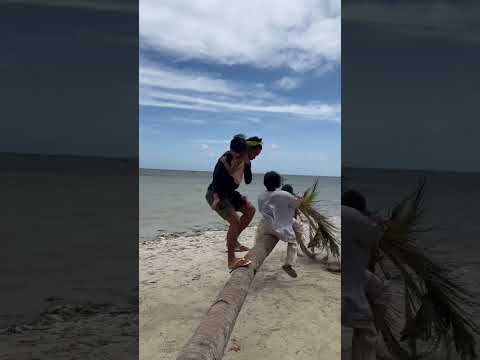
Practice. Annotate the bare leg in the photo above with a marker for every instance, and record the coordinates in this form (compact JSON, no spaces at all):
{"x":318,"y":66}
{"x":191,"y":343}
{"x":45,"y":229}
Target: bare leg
{"x":248,"y":212}
{"x":291,"y":254}
{"x":232,"y":236}
{"x":290,"y":260}
{"x":232,"y":240}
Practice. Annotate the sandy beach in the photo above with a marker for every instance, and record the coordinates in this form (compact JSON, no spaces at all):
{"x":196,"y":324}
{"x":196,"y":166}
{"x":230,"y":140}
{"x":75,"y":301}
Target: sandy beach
{"x":283,"y":317}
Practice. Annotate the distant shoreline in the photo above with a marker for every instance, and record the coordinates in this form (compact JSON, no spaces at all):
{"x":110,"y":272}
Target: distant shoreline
{"x":145,"y":171}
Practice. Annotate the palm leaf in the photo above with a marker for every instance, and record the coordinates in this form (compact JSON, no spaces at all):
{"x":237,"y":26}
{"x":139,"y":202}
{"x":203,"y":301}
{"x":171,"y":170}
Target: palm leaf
{"x":322,"y":230}
{"x":436,"y":302}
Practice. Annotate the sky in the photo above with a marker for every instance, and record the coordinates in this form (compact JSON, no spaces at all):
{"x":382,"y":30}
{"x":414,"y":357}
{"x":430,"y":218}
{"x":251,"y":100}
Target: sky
{"x":270,"y":69}
{"x":410,"y":84}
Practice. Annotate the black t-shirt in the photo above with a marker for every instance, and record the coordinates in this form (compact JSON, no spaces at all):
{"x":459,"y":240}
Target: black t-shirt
{"x":224,"y":184}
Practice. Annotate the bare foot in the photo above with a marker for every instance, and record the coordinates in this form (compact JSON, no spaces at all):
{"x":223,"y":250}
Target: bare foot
{"x":236,"y":263}
{"x":241,"y":248}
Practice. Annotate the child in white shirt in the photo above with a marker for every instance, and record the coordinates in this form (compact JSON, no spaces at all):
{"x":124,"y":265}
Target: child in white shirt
{"x":278,"y":210}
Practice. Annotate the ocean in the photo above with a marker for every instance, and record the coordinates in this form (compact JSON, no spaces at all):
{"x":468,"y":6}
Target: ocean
{"x":174,"y":201}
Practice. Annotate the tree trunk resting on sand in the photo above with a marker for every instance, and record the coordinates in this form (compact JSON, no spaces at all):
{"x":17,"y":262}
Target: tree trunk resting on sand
{"x":211,"y":337}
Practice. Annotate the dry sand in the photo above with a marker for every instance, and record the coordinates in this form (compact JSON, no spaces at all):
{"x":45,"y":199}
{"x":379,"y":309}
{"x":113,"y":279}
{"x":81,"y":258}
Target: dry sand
{"x":283,"y":317}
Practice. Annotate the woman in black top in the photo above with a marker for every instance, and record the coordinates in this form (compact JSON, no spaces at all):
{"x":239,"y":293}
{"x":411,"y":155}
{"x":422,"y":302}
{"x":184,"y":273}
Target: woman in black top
{"x":223,"y":197}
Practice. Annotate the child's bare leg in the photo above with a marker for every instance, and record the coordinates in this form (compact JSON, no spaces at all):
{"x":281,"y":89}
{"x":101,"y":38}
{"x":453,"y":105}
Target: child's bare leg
{"x":248,"y":212}
{"x":232,"y":237}
{"x":291,"y":254}
{"x":290,"y":260}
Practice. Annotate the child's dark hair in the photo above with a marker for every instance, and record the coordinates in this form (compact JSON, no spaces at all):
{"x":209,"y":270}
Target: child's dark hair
{"x":288,"y":188}
{"x":238,"y":144}
{"x":254,"y":142}
{"x":272,"y":180}
{"x":354,"y":199}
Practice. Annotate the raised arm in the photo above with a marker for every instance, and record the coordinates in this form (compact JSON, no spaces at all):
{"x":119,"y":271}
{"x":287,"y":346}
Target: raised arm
{"x":295,"y":201}
{"x":287,"y":198}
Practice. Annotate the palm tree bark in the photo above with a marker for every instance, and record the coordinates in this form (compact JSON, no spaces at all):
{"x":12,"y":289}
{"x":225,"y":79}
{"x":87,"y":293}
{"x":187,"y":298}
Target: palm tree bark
{"x":211,"y":337}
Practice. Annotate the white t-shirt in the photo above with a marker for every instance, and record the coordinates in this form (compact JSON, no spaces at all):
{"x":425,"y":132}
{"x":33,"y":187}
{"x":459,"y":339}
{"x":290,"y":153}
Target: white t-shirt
{"x":359,"y":236}
{"x":278,"y":210}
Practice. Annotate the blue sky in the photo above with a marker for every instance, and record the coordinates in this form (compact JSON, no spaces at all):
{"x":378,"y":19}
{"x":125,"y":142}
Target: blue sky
{"x":208,"y":72}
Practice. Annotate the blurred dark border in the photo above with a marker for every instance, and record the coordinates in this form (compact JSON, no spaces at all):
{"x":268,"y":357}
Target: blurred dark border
{"x":69,"y":179}
{"x":410,"y":112}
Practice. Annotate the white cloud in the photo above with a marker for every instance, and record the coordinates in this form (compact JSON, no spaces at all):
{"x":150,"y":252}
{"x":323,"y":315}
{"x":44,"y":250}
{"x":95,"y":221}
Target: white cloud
{"x":156,"y":76}
{"x":192,"y":121}
{"x":288,"y":83}
{"x":312,"y":110}
{"x":231,"y":122}
{"x":165,"y":87}
{"x":206,"y":148}
{"x":302,"y":35}
{"x":145,"y":101}
{"x":163,"y":77}
{"x":186,"y":121}
{"x":209,"y":141}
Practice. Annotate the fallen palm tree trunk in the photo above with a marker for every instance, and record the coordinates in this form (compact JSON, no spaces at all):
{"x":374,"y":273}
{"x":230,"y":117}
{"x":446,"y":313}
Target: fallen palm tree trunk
{"x":211,"y":337}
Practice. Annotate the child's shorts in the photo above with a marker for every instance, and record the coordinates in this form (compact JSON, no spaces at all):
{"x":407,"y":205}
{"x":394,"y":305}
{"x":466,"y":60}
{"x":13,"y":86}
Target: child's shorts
{"x":227,"y":205}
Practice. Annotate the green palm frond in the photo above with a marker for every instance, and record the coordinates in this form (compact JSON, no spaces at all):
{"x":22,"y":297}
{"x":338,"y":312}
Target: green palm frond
{"x":322,"y":230}
{"x":436,"y":302}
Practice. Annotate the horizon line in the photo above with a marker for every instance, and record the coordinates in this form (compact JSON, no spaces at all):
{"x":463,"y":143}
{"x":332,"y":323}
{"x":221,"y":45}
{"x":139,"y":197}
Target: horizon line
{"x":256,"y":173}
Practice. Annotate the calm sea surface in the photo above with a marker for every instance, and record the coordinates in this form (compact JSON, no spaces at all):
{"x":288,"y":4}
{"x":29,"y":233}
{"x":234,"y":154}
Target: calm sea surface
{"x":174,"y":201}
